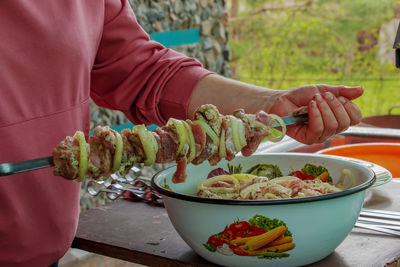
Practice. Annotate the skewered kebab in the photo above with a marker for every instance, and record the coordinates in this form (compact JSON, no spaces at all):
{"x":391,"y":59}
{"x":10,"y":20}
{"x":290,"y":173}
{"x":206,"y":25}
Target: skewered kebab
{"x":211,"y":136}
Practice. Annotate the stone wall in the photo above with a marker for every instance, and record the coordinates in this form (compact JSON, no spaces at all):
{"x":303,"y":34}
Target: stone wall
{"x":170,"y":15}
{"x":208,"y":15}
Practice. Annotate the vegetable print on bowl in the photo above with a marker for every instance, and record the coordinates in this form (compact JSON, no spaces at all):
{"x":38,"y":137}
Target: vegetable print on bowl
{"x":259,"y":237}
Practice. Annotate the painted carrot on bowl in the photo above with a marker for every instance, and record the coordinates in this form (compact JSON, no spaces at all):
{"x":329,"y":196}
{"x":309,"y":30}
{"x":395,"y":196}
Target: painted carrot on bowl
{"x":264,"y":239}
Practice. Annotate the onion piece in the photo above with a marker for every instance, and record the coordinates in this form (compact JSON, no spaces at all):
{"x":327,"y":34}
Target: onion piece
{"x":222,"y":148}
{"x":210,"y":132}
{"x":118,"y":152}
{"x":208,"y":184}
{"x":244,"y":176}
{"x":181,"y":131}
{"x":149,"y":143}
{"x":83,"y":156}
{"x":346,"y":180}
{"x":192,"y":143}
{"x":282,"y":124}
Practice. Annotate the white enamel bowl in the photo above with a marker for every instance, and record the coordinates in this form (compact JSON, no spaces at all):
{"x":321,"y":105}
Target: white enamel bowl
{"x":318,"y":224}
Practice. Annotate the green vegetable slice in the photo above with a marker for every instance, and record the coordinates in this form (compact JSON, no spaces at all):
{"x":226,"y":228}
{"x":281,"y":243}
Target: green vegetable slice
{"x":222,"y":148}
{"x":192,"y":144}
{"x":149,"y":143}
{"x":83,"y":155}
{"x":242,"y":134}
{"x":180,"y":129}
{"x":210,"y":132}
{"x":235,"y":124}
{"x":118,"y":152}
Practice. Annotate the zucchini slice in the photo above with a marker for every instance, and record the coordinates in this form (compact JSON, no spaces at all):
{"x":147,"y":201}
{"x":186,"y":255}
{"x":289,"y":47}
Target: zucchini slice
{"x":118,"y":152}
{"x":149,"y":143}
{"x":210,"y":132}
{"x":83,"y":156}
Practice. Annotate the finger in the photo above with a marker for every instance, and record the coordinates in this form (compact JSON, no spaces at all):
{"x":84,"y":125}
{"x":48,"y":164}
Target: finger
{"x":351,"y":92}
{"x":352,"y":110}
{"x":328,"y":117}
{"x":315,"y":124}
{"x":339,"y":111}
{"x":341,"y":90}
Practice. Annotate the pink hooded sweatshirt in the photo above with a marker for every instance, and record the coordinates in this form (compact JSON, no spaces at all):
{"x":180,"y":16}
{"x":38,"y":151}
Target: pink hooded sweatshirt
{"x":54,"y":55}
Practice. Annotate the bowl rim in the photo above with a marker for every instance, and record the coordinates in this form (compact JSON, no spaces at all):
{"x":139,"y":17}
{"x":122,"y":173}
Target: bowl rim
{"x":346,"y":192}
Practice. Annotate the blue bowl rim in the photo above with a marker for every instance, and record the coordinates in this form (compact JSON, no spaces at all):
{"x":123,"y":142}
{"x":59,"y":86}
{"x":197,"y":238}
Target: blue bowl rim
{"x":190,"y":198}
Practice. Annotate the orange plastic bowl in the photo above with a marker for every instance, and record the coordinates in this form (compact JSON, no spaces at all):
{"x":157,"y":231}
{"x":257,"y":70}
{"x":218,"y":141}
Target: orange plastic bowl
{"x":386,"y":155}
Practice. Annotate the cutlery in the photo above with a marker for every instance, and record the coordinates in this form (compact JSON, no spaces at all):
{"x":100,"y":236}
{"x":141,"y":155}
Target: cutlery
{"x":378,"y":228}
{"x":380,"y":220}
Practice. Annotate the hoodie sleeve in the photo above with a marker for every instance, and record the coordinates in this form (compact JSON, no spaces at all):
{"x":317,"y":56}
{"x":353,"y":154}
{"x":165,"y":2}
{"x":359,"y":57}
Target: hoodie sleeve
{"x":140,"y":77}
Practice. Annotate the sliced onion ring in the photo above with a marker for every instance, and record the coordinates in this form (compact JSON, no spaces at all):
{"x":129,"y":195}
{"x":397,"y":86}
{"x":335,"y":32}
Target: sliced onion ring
{"x":282,"y":124}
{"x":192,"y":143}
{"x":149,"y":143}
{"x":83,"y":155}
{"x":118,"y":152}
{"x":210,"y":132}
{"x":207,"y":184}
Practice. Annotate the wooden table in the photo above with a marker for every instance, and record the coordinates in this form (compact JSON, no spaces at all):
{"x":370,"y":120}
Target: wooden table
{"x":141,"y":233}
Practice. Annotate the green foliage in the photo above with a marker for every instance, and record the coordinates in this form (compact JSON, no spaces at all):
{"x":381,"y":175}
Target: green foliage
{"x":268,"y":223}
{"x":315,"y":170}
{"x":278,"y":45}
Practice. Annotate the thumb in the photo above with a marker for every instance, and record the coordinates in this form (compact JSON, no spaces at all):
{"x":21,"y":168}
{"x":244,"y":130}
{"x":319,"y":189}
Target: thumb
{"x":350,"y":92}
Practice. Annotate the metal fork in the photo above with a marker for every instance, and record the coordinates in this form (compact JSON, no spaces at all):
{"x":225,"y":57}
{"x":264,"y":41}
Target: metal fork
{"x":380,"y":220}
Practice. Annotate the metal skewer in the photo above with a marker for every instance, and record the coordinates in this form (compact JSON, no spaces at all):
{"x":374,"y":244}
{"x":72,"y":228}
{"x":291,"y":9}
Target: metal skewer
{"x":34,"y":164}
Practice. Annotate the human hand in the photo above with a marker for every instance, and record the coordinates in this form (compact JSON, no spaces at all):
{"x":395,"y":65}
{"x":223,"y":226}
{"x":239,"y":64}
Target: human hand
{"x":329,"y":107}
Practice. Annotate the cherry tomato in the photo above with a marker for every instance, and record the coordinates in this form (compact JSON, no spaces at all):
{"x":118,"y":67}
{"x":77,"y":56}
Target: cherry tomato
{"x":227,"y":235}
{"x":239,"y":226}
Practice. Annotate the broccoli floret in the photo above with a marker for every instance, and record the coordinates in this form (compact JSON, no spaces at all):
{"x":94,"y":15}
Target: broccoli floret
{"x":266,"y":170}
{"x":315,"y":171}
